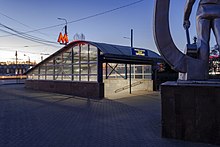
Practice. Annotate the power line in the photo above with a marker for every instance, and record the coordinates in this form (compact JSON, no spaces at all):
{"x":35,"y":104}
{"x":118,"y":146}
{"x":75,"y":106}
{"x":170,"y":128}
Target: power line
{"x":24,"y":35}
{"x":105,"y":12}
{"x":15,"y":20}
{"x":27,"y":37}
{"x":21,"y":23}
{"x":84,"y":18}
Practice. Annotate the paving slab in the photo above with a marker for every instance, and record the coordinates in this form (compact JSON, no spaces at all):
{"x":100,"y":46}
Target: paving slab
{"x":30,"y":118}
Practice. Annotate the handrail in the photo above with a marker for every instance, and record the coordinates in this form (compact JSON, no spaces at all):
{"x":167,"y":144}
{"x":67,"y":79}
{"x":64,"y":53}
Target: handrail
{"x":132,"y":85}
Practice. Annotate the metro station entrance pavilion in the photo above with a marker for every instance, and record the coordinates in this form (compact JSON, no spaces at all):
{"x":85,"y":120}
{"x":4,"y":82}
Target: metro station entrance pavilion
{"x":94,"y":70}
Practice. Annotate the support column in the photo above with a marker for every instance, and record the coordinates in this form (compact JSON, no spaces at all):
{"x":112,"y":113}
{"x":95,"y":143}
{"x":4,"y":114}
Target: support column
{"x":100,"y":68}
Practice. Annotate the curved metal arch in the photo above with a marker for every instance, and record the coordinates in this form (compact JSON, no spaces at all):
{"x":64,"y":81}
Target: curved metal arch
{"x":164,"y":42}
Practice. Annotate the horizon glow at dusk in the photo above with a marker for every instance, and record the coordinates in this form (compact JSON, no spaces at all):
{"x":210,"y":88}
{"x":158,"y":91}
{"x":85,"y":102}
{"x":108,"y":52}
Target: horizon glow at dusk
{"x":27,"y":15}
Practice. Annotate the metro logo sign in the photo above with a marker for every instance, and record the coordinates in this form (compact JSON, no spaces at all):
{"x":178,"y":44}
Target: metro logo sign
{"x":139,"y":52}
{"x":63,"y":39}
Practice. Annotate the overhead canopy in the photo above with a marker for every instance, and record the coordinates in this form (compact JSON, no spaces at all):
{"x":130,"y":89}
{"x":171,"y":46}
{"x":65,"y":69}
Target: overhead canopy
{"x":118,"y":53}
{"x":114,"y":53}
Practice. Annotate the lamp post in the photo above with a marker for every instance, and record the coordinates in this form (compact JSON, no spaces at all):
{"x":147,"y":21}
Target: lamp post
{"x":42,"y":55}
{"x":16,"y":68}
{"x":131,"y":38}
{"x":65,"y":27}
{"x":29,"y":60}
{"x":130,"y":64}
{"x":65,"y":38}
{"x":16,"y":62}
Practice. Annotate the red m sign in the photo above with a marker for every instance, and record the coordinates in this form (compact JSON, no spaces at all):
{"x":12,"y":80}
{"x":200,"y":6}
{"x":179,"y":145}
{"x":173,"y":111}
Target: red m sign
{"x":63,"y":39}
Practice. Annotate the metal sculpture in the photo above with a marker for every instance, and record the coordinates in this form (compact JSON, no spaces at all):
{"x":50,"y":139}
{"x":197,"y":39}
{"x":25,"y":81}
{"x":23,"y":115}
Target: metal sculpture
{"x":207,"y":18}
{"x":208,"y":15}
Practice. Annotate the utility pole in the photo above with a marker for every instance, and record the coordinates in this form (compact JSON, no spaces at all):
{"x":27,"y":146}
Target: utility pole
{"x":29,"y":59}
{"x":16,"y":66}
{"x":130,"y":63}
{"x":16,"y":62}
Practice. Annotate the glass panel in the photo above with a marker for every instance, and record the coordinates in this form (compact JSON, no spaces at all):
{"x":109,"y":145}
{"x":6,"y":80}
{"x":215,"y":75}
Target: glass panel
{"x":121,"y":68}
{"x":35,"y":77}
{"x":115,"y":70}
{"x":30,"y":75}
{"x":67,"y":77}
{"x":67,"y":69}
{"x":147,"y":69}
{"x":92,"y":77}
{"x":58,"y":72}
{"x":58,"y":59}
{"x":42,"y":69}
{"x":76,"y":77}
{"x":147,"y":72}
{"x":49,"y":77}
{"x":35,"y":71}
{"x":138,"y":72}
{"x":67,"y":57}
{"x":147,"y":76}
{"x":58,"y":69}
{"x":42,"y":77}
{"x":84,"y":77}
{"x":84,"y":68}
{"x":49,"y":63}
{"x":49,"y":70}
{"x":92,"y":53}
{"x":84,"y":53}
{"x":58,"y":77}
{"x":92,"y":68}
{"x":76,"y":69}
{"x":76,"y":54}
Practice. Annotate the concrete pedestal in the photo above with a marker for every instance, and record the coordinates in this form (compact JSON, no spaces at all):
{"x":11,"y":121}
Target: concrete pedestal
{"x":191,"y":111}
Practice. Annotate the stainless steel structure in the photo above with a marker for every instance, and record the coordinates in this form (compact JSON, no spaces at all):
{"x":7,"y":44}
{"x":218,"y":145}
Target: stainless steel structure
{"x":207,"y":18}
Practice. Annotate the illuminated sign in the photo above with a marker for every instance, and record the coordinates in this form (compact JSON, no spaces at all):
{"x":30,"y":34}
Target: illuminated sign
{"x":63,"y":39}
{"x":139,"y":52}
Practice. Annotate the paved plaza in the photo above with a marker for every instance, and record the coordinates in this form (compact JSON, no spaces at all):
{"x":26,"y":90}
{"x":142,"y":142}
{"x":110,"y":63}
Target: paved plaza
{"x":31,"y":118}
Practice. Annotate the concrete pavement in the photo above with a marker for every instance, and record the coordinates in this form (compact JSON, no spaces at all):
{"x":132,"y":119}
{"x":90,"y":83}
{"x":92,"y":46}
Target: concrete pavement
{"x":31,"y":118}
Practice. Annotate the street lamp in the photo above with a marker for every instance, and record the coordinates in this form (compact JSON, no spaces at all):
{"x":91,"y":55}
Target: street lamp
{"x":65,"y":27}
{"x":131,"y":38}
{"x":16,"y":62}
{"x":42,"y":54}
{"x":127,"y":38}
{"x":29,"y":60}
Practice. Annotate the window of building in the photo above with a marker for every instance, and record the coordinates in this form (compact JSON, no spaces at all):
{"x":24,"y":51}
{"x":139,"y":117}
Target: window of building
{"x":78,"y":63}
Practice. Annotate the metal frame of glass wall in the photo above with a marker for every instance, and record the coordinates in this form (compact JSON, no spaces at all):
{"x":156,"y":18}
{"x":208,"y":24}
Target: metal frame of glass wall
{"x":78,"y":63}
{"x":116,"y":70}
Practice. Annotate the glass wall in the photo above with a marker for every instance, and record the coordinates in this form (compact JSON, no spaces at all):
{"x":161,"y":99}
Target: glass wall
{"x":115,"y":71}
{"x":78,"y":63}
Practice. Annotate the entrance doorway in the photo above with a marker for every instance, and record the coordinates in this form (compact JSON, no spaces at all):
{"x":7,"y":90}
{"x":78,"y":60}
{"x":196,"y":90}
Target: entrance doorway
{"x":116,"y":78}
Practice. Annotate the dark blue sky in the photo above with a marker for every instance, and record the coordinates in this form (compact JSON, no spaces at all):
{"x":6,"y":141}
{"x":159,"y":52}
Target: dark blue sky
{"x":109,"y":28}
